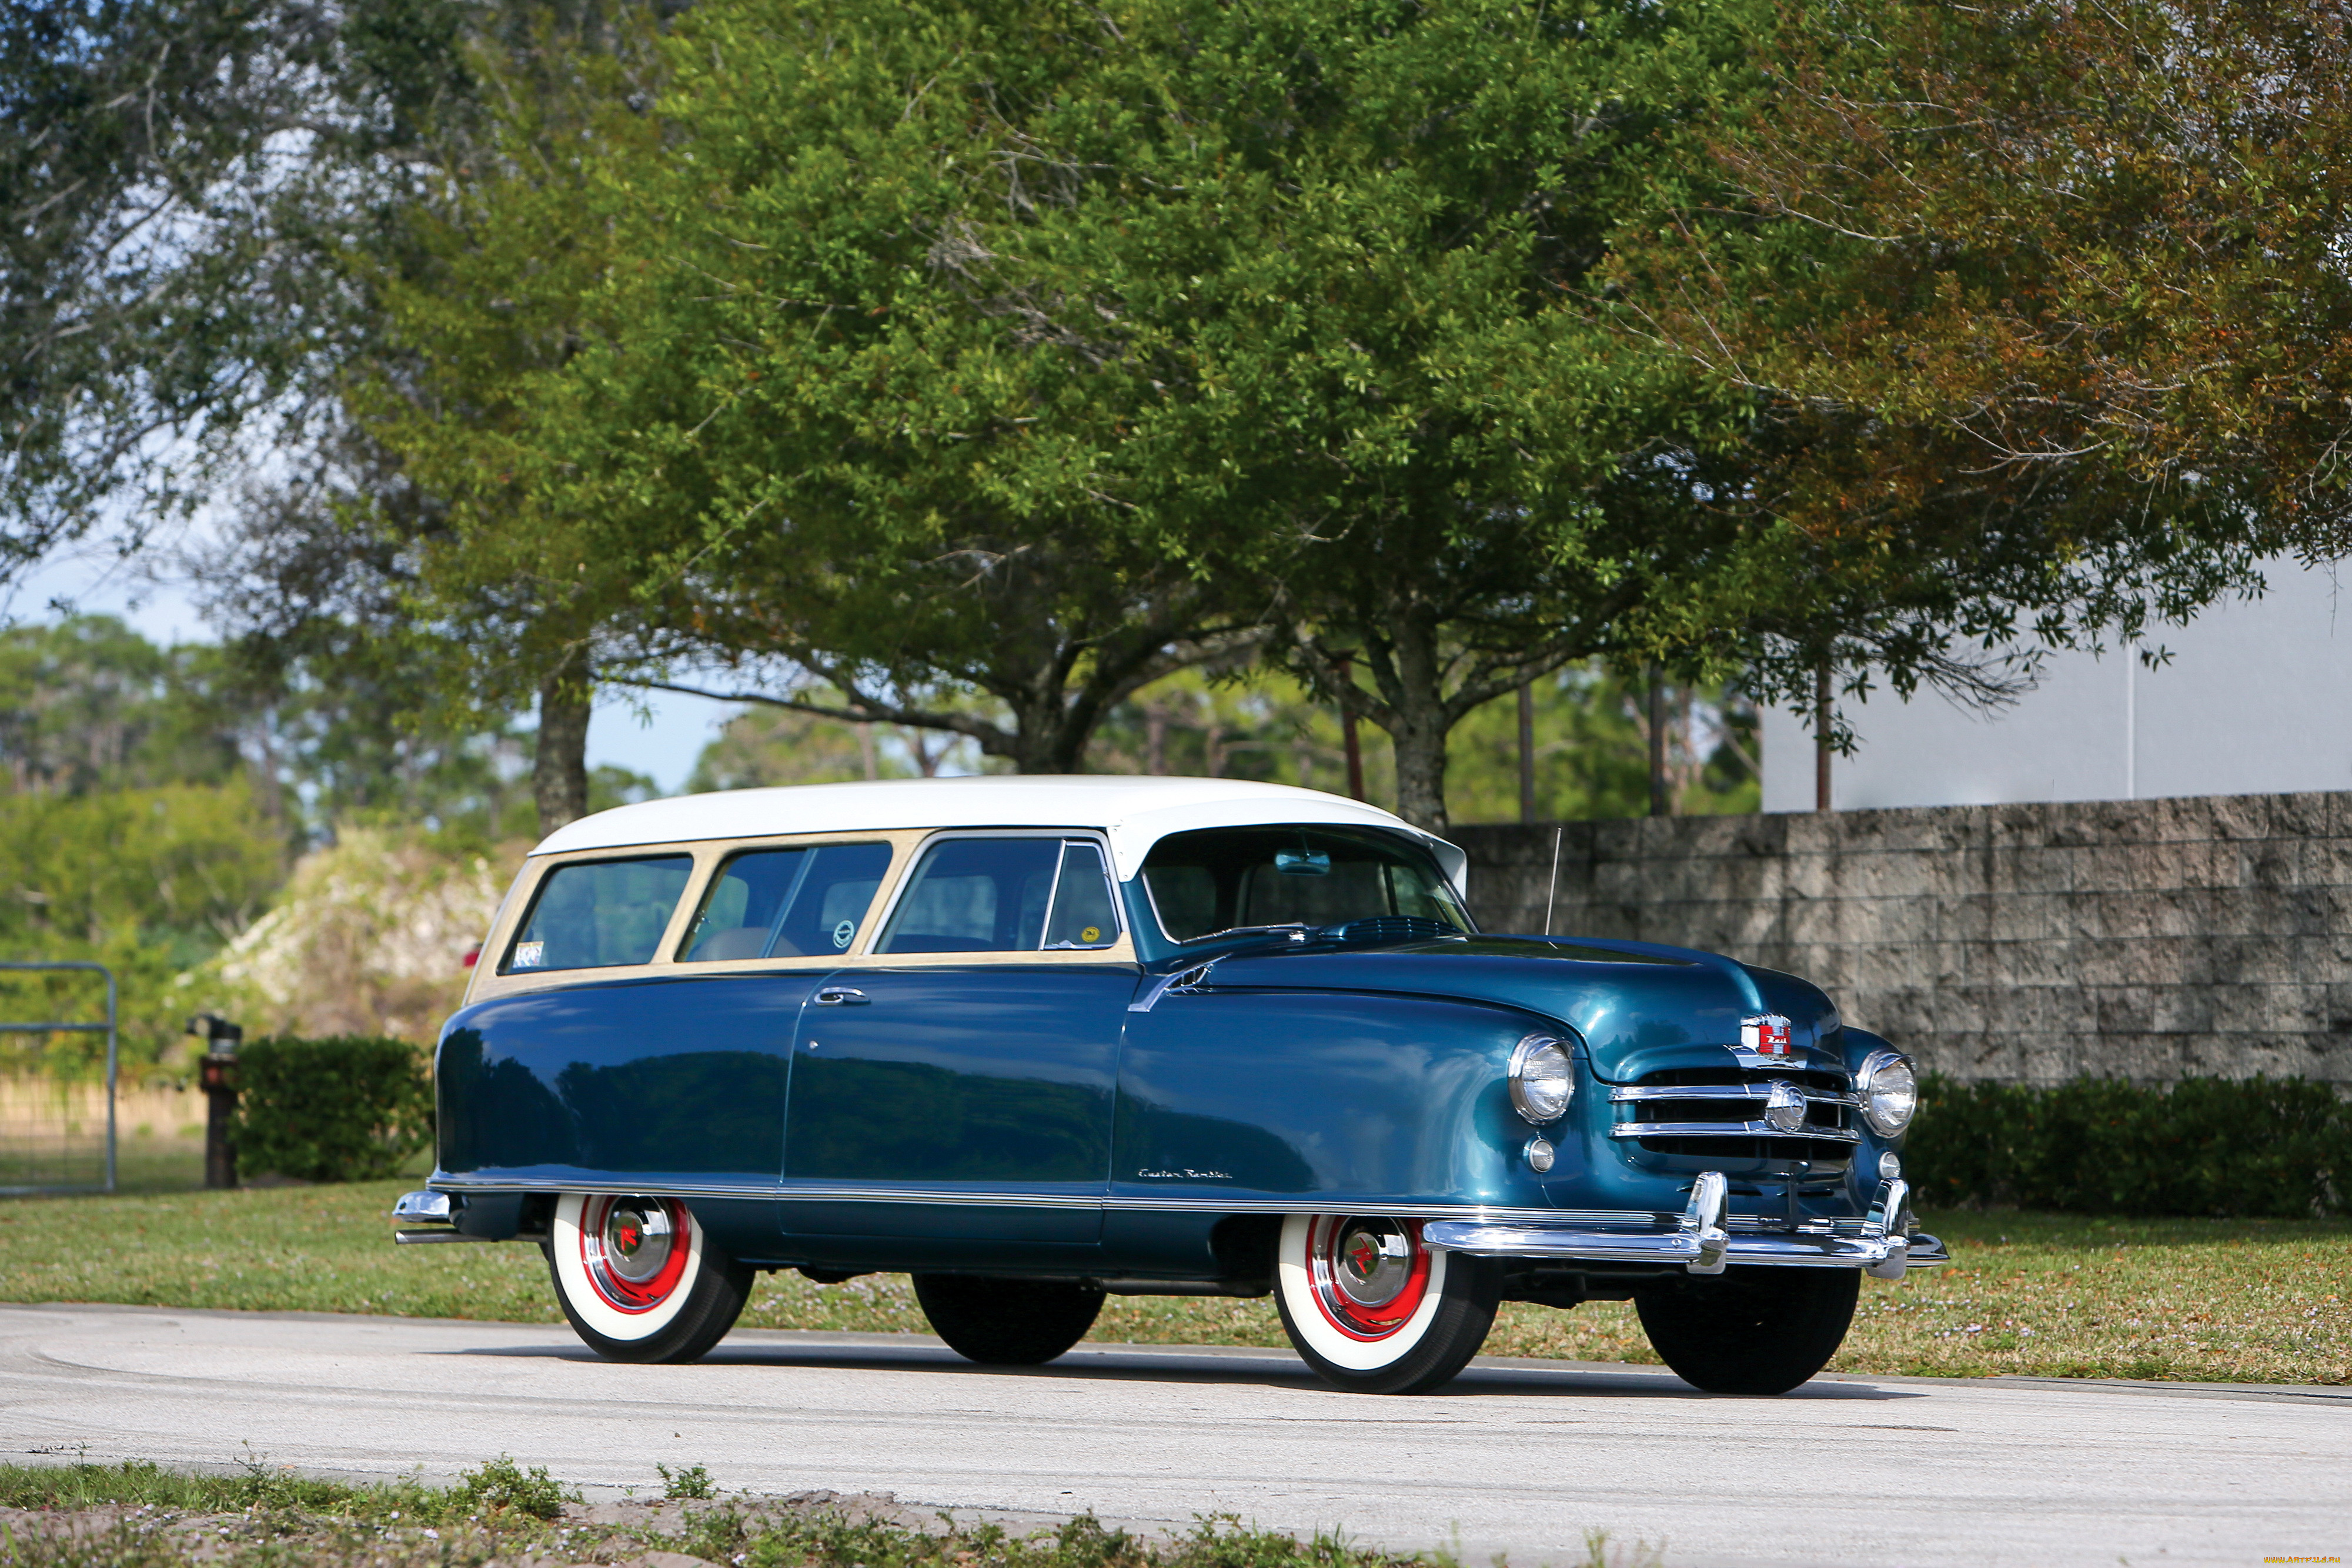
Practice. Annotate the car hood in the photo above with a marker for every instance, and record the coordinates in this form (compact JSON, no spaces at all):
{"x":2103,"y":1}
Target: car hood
{"x":1638,"y":1008}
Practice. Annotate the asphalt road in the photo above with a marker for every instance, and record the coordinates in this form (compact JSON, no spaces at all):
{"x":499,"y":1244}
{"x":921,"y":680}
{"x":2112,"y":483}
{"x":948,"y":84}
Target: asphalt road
{"x":1517,"y":1456}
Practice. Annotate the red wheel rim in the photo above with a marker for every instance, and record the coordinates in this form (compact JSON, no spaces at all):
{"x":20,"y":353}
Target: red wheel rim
{"x":1368,"y":1276}
{"x":634,"y":1250}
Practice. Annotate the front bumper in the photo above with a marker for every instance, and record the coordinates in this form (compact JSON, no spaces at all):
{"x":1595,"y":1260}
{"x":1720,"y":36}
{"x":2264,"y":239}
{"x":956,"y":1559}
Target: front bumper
{"x":1701,"y":1240}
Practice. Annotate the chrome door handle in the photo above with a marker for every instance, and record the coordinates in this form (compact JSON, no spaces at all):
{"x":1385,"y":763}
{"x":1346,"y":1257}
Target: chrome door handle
{"x":841,"y":996}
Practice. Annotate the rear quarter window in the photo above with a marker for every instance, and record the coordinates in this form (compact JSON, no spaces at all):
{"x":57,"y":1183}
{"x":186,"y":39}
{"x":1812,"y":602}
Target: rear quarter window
{"x":599,"y":914}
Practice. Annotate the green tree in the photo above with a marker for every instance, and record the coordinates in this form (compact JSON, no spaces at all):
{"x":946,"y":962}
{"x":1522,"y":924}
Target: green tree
{"x":182,"y":181}
{"x":497,"y":285}
{"x":88,"y":704}
{"x":1592,"y":751}
{"x":1041,"y":350}
{"x":2043,"y":308}
{"x":149,"y":882}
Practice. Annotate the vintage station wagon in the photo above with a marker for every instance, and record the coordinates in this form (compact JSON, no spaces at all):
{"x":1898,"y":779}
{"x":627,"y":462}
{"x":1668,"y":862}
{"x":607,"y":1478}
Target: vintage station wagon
{"x":1035,"y":1040}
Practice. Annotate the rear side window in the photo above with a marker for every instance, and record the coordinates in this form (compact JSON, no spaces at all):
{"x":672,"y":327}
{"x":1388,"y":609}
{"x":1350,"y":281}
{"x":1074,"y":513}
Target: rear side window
{"x":1005,"y":895}
{"x":597,"y":914}
{"x":787,"y":903}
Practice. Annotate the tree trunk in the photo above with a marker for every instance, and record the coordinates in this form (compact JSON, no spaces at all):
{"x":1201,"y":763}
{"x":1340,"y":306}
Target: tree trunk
{"x":558,"y":771}
{"x":1661,"y":801}
{"x":1422,"y":724}
{"x":1821,"y":726}
{"x":1350,"y":742}
{"x":1155,"y":739}
{"x":1527,"y":752}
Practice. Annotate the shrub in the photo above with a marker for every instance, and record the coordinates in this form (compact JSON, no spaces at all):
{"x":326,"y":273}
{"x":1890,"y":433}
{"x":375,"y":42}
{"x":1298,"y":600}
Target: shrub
{"x":2274,"y":1148}
{"x":346,"y":1108}
{"x":688,"y":1481}
{"x":501,"y":1484}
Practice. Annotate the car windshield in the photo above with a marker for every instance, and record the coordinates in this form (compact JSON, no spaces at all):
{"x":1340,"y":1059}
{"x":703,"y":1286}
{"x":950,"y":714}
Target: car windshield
{"x":1220,"y":878}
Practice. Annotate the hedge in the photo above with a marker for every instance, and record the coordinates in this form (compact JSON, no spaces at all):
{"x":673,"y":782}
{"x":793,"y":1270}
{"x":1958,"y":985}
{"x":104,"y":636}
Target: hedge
{"x":346,"y":1108}
{"x":2270,"y":1147}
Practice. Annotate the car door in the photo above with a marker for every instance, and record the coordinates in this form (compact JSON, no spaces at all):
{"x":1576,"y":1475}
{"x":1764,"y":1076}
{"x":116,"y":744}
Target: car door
{"x":672,"y":1073}
{"x":958,"y":1089}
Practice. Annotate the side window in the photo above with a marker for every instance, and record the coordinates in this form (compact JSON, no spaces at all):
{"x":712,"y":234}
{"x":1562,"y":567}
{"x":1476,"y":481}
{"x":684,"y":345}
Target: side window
{"x":991,"y":895}
{"x":787,"y":903}
{"x":595,"y":914}
{"x":976,"y":896}
{"x":1084,"y":915}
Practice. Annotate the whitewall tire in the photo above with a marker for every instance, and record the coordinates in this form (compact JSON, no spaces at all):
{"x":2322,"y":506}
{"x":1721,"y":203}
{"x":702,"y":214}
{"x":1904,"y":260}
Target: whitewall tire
{"x":638,"y":1279}
{"x":1374,"y":1308}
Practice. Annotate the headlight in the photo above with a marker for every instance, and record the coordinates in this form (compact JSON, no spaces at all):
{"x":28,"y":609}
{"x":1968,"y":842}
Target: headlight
{"x":1543,"y":1080}
{"x":1889,"y":1091}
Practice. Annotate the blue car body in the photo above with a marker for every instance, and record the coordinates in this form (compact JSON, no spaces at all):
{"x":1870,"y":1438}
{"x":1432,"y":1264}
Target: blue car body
{"x":1132,"y":1109}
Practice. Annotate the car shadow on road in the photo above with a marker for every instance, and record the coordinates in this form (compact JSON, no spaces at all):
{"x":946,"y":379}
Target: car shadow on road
{"x":1273,"y":1368}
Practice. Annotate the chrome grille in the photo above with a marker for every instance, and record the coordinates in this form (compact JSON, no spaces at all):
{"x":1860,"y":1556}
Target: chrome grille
{"x":1720,"y":1111}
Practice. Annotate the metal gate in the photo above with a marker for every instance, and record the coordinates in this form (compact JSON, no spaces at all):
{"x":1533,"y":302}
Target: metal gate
{"x":44,"y":1145}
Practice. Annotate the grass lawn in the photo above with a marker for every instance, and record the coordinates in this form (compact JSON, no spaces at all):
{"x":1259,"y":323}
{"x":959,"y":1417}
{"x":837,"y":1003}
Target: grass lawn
{"x":140,"y":1516}
{"x":2228,"y":1300}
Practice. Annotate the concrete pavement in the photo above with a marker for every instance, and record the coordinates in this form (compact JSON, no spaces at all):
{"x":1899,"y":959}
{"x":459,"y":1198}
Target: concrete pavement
{"x":1517,"y":1457}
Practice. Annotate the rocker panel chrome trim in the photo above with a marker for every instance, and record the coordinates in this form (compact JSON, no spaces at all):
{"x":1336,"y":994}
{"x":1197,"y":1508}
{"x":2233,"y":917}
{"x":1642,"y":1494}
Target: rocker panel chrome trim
{"x":1204,"y":1203}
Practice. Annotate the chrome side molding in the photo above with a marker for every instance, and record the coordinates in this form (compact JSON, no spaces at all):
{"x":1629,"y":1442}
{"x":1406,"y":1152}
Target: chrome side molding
{"x":1182,"y":982}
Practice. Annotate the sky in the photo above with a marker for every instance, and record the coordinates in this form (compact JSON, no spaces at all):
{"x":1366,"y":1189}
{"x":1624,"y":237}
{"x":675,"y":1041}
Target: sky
{"x":658,"y":733}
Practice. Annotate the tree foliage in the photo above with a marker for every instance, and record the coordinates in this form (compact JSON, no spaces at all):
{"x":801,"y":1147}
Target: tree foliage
{"x":1042,"y":350}
{"x":181,"y":180}
{"x":2044,"y":307}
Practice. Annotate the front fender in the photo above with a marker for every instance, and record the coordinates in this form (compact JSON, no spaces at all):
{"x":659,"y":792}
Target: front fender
{"x":1313,"y":1099}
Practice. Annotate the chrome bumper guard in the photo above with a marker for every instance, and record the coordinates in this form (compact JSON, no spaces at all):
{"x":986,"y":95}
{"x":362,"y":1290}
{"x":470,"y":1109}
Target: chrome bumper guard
{"x":1700,"y":1241}
{"x":437,"y":1209}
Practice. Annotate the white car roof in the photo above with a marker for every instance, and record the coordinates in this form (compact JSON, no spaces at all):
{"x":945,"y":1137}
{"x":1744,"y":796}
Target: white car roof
{"x":1134,"y":813}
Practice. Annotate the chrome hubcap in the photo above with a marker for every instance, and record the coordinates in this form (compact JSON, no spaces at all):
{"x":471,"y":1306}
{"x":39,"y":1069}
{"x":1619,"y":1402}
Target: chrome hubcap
{"x":1374,"y":1261}
{"x":638,"y":1240}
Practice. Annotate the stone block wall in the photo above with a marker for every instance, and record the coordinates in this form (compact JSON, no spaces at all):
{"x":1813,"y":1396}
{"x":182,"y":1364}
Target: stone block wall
{"x":2142,"y":939}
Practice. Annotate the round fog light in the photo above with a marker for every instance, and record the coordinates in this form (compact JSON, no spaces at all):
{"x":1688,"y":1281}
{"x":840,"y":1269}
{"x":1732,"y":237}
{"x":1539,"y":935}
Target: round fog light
{"x":1890,"y":1165}
{"x":1539,"y":1155}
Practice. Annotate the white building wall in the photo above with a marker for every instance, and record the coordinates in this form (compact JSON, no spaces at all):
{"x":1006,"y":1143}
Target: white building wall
{"x":2257,"y":699}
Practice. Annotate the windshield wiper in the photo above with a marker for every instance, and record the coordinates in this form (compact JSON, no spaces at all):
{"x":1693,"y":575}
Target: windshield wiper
{"x":1299,"y":926}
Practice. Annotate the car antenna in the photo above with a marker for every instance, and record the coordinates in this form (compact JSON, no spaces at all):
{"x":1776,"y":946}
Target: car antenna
{"x":1552,"y":893}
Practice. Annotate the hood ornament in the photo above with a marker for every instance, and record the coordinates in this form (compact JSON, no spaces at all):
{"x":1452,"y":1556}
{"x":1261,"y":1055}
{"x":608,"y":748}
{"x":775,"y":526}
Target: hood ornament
{"x":1767,"y":1041}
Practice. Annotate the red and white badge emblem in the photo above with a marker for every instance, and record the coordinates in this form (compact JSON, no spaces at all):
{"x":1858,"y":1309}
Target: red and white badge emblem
{"x":1766,"y":1036}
